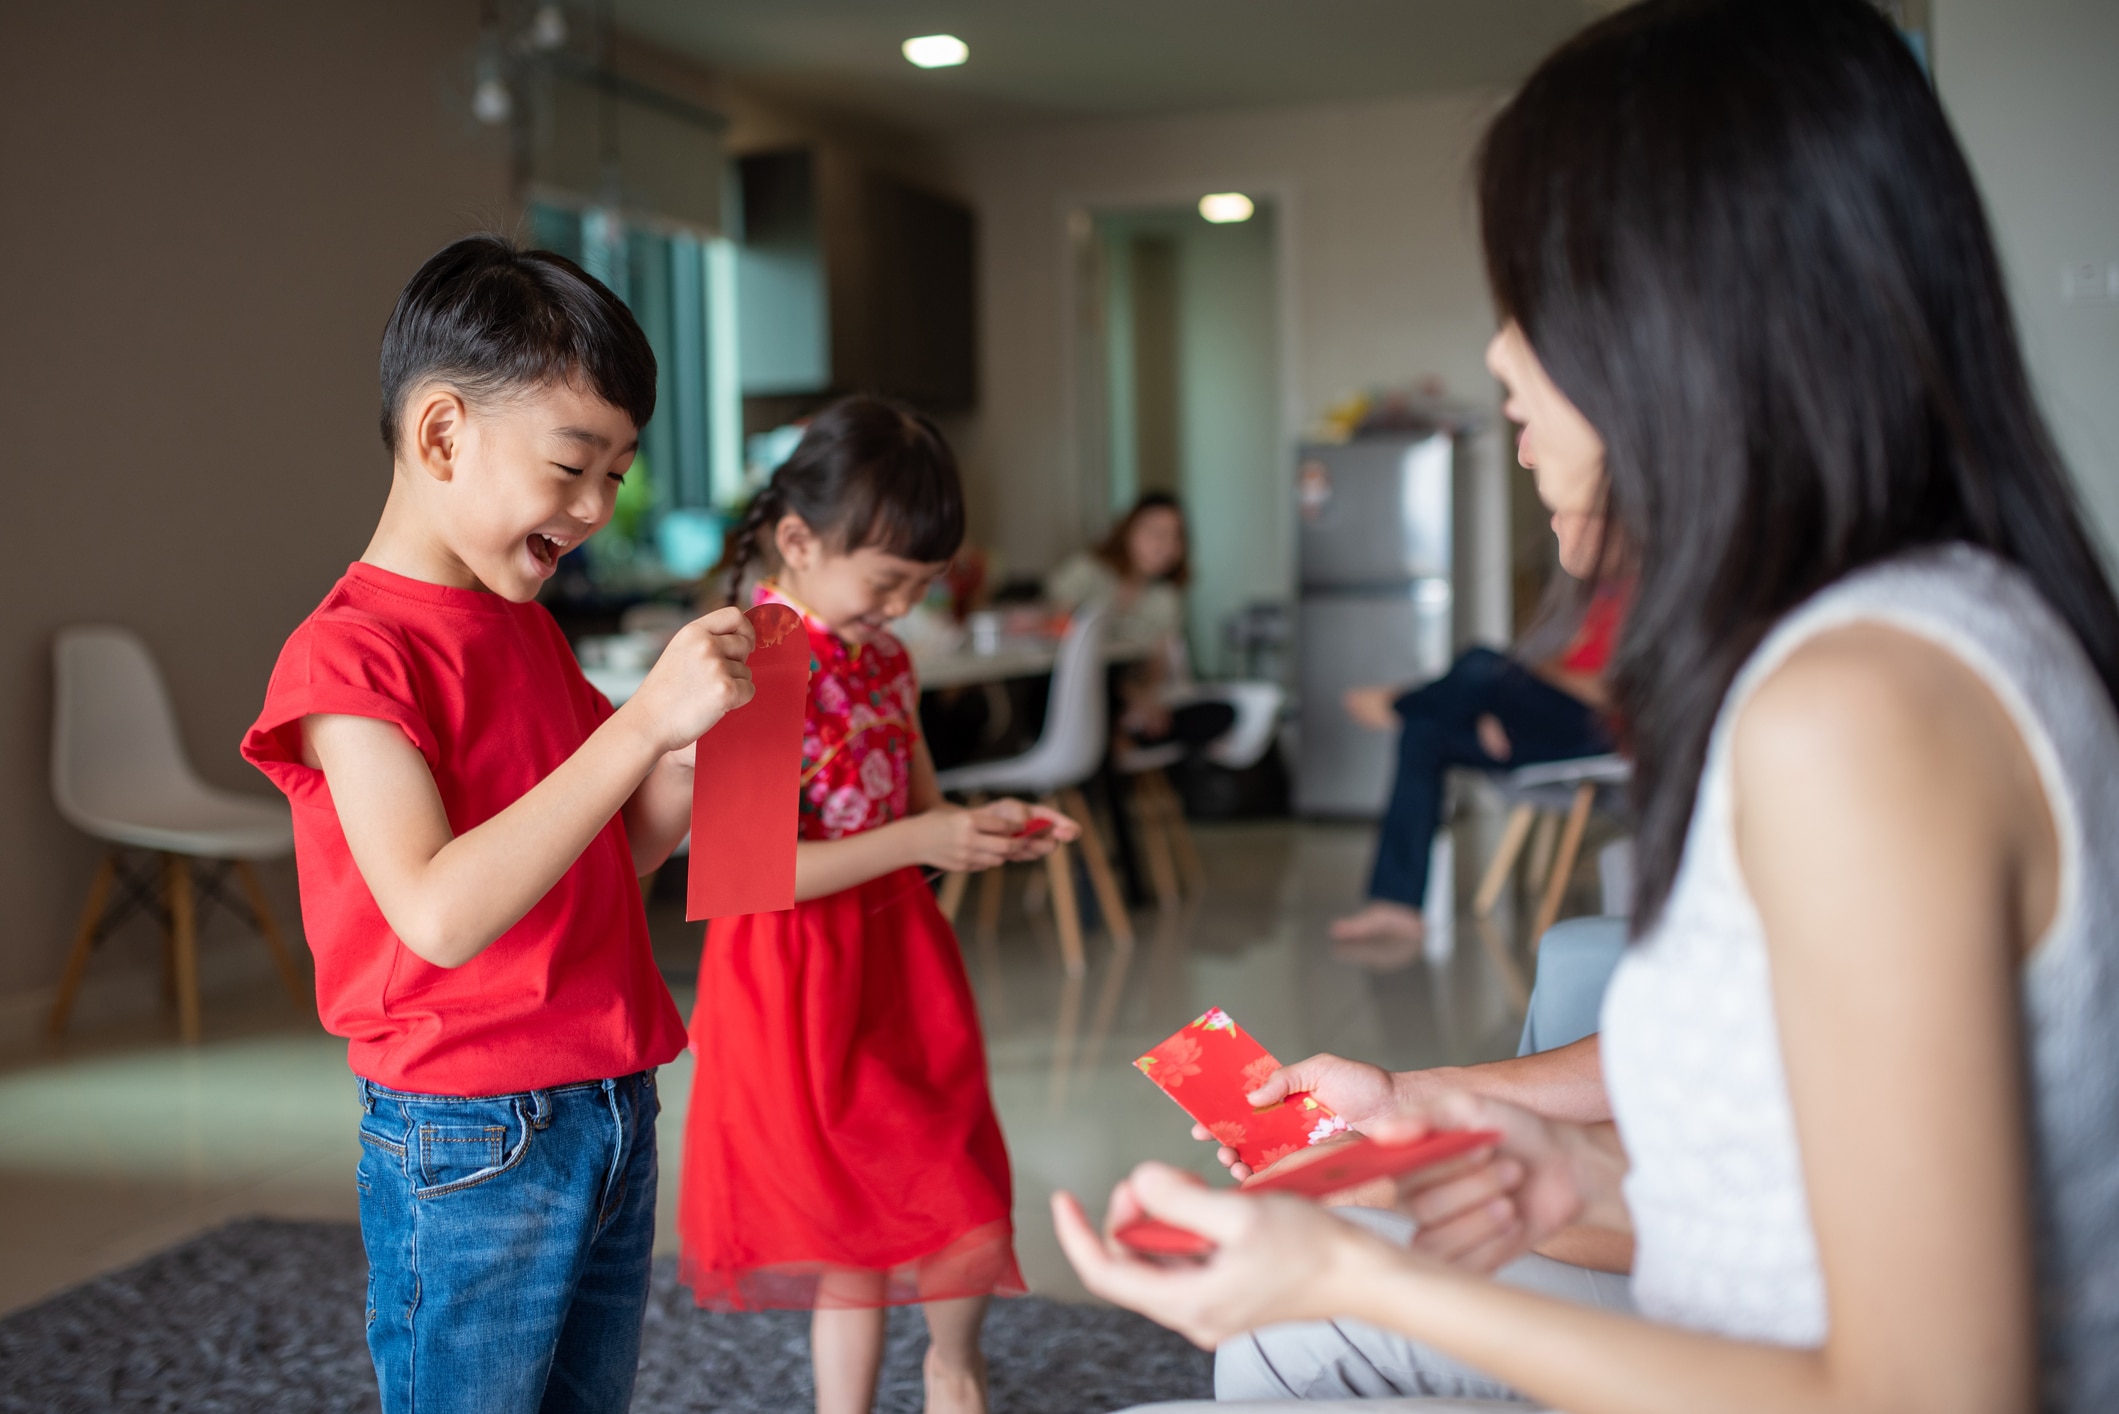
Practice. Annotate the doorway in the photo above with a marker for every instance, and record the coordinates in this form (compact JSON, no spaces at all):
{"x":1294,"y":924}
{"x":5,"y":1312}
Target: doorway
{"x":1178,"y":373}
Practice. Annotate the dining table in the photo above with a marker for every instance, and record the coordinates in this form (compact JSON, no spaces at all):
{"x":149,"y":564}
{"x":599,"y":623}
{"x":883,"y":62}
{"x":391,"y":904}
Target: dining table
{"x":962,"y":665}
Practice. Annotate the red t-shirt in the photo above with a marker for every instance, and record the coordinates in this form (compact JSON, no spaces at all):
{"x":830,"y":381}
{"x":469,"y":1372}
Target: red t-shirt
{"x":491,"y":695}
{"x":1589,"y":651}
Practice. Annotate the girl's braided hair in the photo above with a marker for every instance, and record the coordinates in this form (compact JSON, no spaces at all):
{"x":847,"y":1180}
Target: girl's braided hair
{"x":868,"y":472}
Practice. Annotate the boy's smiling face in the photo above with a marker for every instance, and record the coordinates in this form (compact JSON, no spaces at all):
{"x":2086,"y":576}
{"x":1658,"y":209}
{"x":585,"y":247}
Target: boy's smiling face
{"x":502,"y":487}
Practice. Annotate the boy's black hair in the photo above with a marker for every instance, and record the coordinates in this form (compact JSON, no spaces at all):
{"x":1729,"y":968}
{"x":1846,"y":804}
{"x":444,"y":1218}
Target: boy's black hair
{"x":488,"y":318}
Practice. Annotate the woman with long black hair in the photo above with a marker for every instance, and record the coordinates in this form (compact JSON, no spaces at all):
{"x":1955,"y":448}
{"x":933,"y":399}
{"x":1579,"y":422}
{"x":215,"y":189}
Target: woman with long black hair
{"x":1860,"y":1054}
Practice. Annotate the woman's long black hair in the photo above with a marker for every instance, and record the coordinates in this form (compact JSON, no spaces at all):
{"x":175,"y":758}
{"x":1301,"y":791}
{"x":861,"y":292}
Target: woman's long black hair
{"x":1740,"y":237}
{"x":867,"y":472}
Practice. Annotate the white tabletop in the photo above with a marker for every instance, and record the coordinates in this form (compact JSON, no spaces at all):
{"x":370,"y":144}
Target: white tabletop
{"x":1014,"y":658}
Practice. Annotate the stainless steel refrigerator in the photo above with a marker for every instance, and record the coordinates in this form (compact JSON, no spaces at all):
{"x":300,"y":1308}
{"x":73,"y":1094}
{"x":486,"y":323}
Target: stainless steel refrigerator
{"x":1376,"y":553}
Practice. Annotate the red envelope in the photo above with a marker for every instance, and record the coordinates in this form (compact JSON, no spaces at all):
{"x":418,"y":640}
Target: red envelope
{"x":1210,"y":1066}
{"x":1337,"y":1168}
{"x":748,"y":782}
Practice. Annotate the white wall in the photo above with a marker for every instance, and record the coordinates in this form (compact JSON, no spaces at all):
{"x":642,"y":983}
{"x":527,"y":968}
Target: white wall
{"x":1380,"y":272}
{"x":2032,"y":87}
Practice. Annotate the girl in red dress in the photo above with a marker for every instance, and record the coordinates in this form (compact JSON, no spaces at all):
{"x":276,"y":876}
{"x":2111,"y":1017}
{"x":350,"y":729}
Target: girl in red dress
{"x":842,"y":1152}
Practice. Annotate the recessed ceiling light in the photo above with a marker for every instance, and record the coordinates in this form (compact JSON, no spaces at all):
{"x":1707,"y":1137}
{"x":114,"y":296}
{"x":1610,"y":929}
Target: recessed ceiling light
{"x":1223,"y":207}
{"x":936,"y":51}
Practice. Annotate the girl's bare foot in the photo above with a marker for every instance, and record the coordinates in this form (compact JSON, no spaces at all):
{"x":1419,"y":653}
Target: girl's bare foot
{"x":1381,"y":921}
{"x":954,"y":1389}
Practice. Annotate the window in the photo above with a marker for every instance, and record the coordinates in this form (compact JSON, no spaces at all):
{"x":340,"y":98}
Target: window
{"x":681,"y":286}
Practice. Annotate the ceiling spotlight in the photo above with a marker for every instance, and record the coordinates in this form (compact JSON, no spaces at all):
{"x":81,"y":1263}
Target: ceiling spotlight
{"x":491,"y":102}
{"x":936,"y":51}
{"x":1223,"y":207}
{"x":548,"y":28}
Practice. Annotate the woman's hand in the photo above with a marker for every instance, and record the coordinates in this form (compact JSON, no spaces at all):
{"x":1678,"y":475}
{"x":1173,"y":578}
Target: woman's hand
{"x":1276,"y":1258}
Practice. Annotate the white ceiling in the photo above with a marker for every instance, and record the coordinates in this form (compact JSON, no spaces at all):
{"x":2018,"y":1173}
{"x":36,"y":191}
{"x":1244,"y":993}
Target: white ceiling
{"x":1039,"y":60}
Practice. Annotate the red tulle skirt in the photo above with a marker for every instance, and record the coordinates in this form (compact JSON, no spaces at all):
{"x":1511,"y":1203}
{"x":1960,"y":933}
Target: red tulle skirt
{"x":842,"y":1148}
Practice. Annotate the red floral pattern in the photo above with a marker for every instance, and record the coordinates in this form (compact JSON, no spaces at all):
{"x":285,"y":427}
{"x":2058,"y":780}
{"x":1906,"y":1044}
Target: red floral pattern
{"x":1210,"y":1068}
{"x":858,"y":730}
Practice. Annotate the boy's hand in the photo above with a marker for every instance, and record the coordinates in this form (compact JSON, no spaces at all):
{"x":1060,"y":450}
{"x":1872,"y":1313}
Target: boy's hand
{"x":699,"y":679}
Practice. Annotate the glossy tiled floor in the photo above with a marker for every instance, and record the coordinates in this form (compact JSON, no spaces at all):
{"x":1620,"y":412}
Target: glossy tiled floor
{"x":118,"y":1147}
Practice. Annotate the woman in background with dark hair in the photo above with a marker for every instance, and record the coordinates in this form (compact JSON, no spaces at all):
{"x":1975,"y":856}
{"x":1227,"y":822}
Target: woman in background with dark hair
{"x":1138,"y":576}
{"x":1860,"y":1054}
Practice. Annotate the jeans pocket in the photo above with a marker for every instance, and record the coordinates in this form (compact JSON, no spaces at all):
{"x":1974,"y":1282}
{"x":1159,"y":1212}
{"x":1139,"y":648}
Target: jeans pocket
{"x":464,"y":1145}
{"x":449,"y":1154}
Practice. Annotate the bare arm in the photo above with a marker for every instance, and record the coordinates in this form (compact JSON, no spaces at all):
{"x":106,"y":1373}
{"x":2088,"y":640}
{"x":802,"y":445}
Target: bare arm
{"x":1877,"y":875}
{"x":448,"y":896}
{"x":659,"y":812}
{"x":938,"y":835}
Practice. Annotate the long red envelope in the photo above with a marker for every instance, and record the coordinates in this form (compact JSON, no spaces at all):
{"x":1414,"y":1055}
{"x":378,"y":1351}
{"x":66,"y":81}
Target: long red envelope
{"x":747,"y":784}
{"x":1334,"y":1169}
{"x":1210,"y":1066}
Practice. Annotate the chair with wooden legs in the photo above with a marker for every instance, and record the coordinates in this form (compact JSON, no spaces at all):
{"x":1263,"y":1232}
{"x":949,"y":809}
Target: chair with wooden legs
{"x":1067,"y":753}
{"x":1540,"y":798}
{"x":1165,"y":839}
{"x":120,"y":774}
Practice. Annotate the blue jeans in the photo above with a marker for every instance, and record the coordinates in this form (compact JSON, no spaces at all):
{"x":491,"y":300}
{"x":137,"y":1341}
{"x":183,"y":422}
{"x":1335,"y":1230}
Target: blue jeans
{"x":1440,"y":731}
{"x":508,"y":1239}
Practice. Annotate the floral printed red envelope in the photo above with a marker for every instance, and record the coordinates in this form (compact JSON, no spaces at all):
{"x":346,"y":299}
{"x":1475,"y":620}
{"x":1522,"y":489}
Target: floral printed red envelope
{"x":1210,"y":1066}
{"x":747,"y":785}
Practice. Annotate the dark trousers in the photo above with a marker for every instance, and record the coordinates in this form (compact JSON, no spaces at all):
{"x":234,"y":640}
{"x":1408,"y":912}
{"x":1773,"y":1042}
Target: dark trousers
{"x":1439,"y":731}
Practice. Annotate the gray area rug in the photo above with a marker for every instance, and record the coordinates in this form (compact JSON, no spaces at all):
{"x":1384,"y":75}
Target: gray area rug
{"x":262,"y":1315}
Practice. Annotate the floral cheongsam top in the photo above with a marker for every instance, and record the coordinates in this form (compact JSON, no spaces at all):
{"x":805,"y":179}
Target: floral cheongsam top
{"x":857,"y":732}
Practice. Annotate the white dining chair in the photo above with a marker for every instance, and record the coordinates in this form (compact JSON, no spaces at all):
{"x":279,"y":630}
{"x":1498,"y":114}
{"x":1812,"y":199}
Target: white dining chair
{"x":1165,"y":839}
{"x":1544,"y":795}
{"x":120,"y":774}
{"x":1068,"y":752}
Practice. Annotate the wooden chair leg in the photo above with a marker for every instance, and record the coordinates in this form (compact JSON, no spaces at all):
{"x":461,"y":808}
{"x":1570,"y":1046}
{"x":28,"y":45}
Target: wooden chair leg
{"x":1066,"y":911}
{"x":1108,"y":897}
{"x":1155,"y":841}
{"x":84,"y":943}
{"x":184,"y":940}
{"x":1188,"y":860}
{"x":990,"y":889}
{"x":1538,"y":868}
{"x":952,"y":895}
{"x":269,"y":929}
{"x":1513,"y":834}
{"x":1563,"y":865}
{"x":989,"y":938}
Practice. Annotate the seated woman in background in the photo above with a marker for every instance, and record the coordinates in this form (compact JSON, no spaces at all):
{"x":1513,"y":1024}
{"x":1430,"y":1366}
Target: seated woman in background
{"x":1860,"y":1052}
{"x":1137,"y":576}
{"x":1491,"y":712}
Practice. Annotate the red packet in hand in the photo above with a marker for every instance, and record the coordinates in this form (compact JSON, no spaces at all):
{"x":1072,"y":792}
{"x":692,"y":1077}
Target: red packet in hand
{"x":748,"y":782}
{"x":1210,"y":1066}
{"x":1333,"y":1169}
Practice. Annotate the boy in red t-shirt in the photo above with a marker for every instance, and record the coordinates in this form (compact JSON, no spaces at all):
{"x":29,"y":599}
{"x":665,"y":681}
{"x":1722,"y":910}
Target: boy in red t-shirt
{"x":470,"y":817}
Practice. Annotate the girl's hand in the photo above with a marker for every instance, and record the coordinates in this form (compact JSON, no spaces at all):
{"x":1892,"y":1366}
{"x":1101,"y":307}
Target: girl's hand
{"x":960,"y":841}
{"x":1490,"y":1209}
{"x":1276,"y":1258}
{"x":1014,"y":816}
{"x":699,"y":679}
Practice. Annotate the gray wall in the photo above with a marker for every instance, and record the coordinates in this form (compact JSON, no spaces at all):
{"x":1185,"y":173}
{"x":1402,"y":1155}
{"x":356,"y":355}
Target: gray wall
{"x":209,"y":209}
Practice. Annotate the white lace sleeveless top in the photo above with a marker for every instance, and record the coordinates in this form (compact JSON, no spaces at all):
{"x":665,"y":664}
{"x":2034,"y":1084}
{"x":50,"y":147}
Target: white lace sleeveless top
{"x":1692,"y":1054}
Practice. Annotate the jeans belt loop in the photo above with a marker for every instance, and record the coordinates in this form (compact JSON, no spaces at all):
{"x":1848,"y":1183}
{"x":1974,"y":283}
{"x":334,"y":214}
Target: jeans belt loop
{"x":540,"y":1109}
{"x":366,"y":1092}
